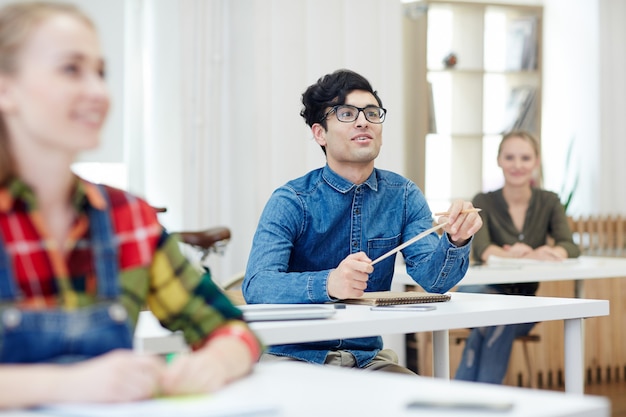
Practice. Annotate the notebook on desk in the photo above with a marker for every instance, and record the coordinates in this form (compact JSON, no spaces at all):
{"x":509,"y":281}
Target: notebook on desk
{"x":383,"y":298}
{"x":271,"y":312}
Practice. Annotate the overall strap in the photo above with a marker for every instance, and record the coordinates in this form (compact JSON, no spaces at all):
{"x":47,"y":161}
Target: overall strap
{"x":105,"y":248}
{"x":8,"y":288}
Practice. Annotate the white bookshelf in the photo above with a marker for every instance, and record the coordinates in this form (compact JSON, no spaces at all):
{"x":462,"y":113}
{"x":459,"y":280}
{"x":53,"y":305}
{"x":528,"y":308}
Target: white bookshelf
{"x":470,"y":99}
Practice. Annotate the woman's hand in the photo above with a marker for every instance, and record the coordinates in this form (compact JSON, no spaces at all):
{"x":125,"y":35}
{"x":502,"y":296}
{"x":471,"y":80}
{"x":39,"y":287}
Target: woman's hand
{"x":548,"y":253}
{"x":518,"y":250}
{"x":117,"y":376}
{"x":220,"y":361}
{"x":542,"y":253}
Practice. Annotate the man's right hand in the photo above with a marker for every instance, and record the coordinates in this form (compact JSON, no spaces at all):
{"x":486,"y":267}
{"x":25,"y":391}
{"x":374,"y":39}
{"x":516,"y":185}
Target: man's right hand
{"x":349,"y":279}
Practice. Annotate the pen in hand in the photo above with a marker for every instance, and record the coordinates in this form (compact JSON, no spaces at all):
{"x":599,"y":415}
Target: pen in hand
{"x":421,"y":235}
{"x":409,"y":242}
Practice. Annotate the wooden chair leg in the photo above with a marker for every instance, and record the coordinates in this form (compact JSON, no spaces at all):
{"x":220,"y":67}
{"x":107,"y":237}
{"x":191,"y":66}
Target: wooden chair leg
{"x":529,"y":366}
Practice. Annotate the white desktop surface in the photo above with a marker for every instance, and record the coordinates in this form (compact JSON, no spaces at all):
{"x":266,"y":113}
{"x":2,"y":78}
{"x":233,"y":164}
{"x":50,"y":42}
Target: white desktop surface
{"x":584,"y":267}
{"x":462,"y":311}
{"x":304,"y":390}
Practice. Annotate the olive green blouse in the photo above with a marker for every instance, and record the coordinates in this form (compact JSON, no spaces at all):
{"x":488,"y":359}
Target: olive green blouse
{"x":545,"y":217}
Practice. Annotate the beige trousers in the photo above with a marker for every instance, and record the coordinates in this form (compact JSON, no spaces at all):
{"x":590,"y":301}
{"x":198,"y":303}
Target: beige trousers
{"x":386,"y":361}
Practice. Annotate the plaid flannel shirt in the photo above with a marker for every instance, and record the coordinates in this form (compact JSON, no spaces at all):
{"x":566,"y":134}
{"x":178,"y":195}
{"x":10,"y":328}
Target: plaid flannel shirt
{"x":153,"y":271}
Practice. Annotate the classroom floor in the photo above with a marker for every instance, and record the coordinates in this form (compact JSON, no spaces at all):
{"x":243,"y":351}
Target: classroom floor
{"x":615,"y":391}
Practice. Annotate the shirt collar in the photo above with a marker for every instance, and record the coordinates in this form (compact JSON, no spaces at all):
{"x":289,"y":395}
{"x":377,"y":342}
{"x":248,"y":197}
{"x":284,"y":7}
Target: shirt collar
{"x":84,"y":192}
{"x":342,"y":185}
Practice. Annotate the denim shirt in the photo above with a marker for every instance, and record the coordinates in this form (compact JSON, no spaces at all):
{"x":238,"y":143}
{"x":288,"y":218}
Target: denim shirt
{"x":312,"y":223}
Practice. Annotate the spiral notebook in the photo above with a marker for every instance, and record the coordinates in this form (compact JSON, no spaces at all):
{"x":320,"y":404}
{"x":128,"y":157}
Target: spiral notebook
{"x":385,"y":298}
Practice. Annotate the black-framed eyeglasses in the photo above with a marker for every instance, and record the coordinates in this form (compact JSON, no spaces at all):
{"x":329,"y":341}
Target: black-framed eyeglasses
{"x":348,"y":113}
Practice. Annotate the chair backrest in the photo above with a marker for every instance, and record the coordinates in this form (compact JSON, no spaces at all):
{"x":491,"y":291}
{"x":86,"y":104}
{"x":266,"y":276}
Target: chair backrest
{"x":206,"y":241}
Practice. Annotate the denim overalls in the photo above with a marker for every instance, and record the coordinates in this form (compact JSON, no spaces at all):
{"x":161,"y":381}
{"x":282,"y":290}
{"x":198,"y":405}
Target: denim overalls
{"x":57,"y":335}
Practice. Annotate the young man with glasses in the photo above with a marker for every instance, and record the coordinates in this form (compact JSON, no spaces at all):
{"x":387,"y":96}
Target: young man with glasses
{"x":318,"y":234}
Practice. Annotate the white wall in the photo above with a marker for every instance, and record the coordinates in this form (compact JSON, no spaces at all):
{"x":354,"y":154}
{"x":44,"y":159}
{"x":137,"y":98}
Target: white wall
{"x":220,"y":101}
{"x":585,"y":99}
{"x":275,"y":51}
{"x":272,"y":51}
{"x":571,"y":103}
{"x":612,"y":80}
{"x":206,"y":98}
{"x":266,"y":52}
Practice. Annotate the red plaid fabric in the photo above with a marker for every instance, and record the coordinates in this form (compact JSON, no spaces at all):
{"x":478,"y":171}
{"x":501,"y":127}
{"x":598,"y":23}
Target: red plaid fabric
{"x":42,"y":269}
{"x":152,"y":270}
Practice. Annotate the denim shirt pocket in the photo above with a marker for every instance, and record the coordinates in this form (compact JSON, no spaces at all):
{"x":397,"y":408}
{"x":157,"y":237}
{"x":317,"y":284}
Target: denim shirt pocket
{"x":380,"y":279}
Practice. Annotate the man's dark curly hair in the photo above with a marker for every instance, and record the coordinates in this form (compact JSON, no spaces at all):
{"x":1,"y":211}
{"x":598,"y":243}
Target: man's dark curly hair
{"x":330,"y":90}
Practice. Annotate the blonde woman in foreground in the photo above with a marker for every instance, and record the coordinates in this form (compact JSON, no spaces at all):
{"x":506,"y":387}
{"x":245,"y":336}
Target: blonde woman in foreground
{"x":77,"y":260}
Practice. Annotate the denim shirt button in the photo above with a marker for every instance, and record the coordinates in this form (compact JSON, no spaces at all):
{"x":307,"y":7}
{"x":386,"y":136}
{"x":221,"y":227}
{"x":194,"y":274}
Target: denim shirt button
{"x":11,"y":318}
{"x":118,"y":313}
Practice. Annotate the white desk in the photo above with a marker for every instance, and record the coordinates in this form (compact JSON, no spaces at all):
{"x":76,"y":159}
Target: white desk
{"x":585,"y":267}
{"x":464,"y":310}
{"x":303,"y":390}
{"x":580,"y":269}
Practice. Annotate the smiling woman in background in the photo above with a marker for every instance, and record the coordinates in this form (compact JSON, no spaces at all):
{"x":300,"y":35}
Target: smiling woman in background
{"x":517,"y":221}
{"x":78,"y":260}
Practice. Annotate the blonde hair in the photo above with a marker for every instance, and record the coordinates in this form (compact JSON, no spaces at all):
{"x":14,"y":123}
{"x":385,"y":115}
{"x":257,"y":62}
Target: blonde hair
{"x":17,"y":22}
{"x":522,"y":134}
